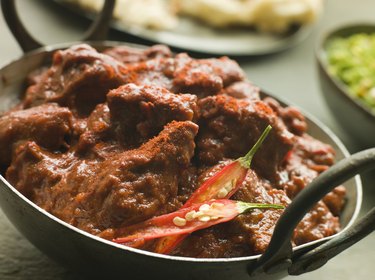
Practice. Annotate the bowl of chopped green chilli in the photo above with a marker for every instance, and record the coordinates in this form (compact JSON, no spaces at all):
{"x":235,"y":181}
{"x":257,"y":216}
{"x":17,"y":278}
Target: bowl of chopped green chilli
{"x":346,"y":64}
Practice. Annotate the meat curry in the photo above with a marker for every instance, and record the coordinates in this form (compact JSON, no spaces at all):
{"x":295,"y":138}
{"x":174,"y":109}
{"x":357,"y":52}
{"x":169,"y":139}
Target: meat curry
{"x":105,"y":140}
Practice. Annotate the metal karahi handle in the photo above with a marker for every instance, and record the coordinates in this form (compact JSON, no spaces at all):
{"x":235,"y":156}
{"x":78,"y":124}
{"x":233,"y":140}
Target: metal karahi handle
{"x":97,"y":30}
{"x":278,"y":255}
{"x":319,"y":256}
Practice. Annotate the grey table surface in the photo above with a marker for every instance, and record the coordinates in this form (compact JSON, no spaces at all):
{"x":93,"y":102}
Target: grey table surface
{"x":290,"y":74}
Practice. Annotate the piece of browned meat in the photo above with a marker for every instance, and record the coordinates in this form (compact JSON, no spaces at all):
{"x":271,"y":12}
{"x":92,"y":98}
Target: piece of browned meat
{"x":291,"y":116}
{"x":79,"y":78}
{"x":308,"y":158}
{"x":231,"y":128}
{"x":96,"y":195}
{"x":127,"y":54}
{"x":318,"y":223}
{"x":134,"y":115}
{"x":49,"y":125}
{"x":204,"y":77}
{"x":140,"y":112}
{"x":183,"y":74}
{"x":243,"y":90}
{"x":34,"y":171}
{"x":335,"y":200}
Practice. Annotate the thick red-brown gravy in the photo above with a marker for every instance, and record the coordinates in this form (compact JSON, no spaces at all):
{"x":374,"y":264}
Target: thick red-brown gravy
{"x":107,"y":140}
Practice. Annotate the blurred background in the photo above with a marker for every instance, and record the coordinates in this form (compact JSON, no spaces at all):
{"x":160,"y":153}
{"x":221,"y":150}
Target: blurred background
{"x":290,"y":74}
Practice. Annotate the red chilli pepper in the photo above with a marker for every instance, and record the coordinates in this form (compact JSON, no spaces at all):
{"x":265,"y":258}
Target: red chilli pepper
{"x":190,"y":219}
{"x":223,"y":184}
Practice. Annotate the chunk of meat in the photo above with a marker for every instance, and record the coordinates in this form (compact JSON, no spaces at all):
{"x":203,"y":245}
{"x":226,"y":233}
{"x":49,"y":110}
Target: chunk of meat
{"x":34,"y":170}
{"x":142,"y":111}
{"x":97,"y":137}
{"x":183,"y":74}
{"x":134,"y":115}
{"x":79,"y":78}
{"x":96,"y":195}
{"x":317,"y":224}
{"x":335,"y":200}
{"x":187,"y":183}
{"x":220,"y":241}
{"x":308,"y":158}
{"x":204,"y":77}
{"x":154,"y":72}
{"x":243,"y":90}
{"x":126,"y":54}
{"x":232,"y":127}
{"x":49,"y":125}
{"x":291,"y":116}
{"x":36,"y":75}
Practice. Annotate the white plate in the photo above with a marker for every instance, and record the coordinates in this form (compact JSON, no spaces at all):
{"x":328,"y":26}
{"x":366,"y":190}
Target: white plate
{"x":195,"y":36}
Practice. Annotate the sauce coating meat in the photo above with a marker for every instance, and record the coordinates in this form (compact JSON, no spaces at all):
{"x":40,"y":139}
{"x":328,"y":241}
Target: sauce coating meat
{"x":107,"y":140}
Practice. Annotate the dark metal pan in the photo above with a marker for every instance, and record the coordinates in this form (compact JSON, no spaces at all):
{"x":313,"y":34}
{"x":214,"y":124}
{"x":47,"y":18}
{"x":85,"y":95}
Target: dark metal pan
{"x":90,"y":254}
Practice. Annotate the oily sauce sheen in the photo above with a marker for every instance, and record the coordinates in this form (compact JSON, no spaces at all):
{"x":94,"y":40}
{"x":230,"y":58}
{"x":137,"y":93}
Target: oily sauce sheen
{"x":106,"y":140}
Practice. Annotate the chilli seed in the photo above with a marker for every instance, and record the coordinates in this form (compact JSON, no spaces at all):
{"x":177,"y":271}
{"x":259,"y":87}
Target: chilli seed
{"x":178,"y":221}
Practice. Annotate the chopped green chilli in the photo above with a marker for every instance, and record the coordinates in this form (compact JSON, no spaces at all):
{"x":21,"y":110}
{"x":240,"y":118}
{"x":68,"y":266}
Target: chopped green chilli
{"x":352,"y":60}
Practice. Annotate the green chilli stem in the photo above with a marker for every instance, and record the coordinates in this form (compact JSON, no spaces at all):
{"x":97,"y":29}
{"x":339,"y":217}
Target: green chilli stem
{"x":245,"y":161}
{"x":245,"y":206}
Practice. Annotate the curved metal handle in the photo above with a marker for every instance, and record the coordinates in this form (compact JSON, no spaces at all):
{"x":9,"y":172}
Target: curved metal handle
{"x":279,"y":252}
{"x":319,"y":256}
{"x":97,"y":31}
